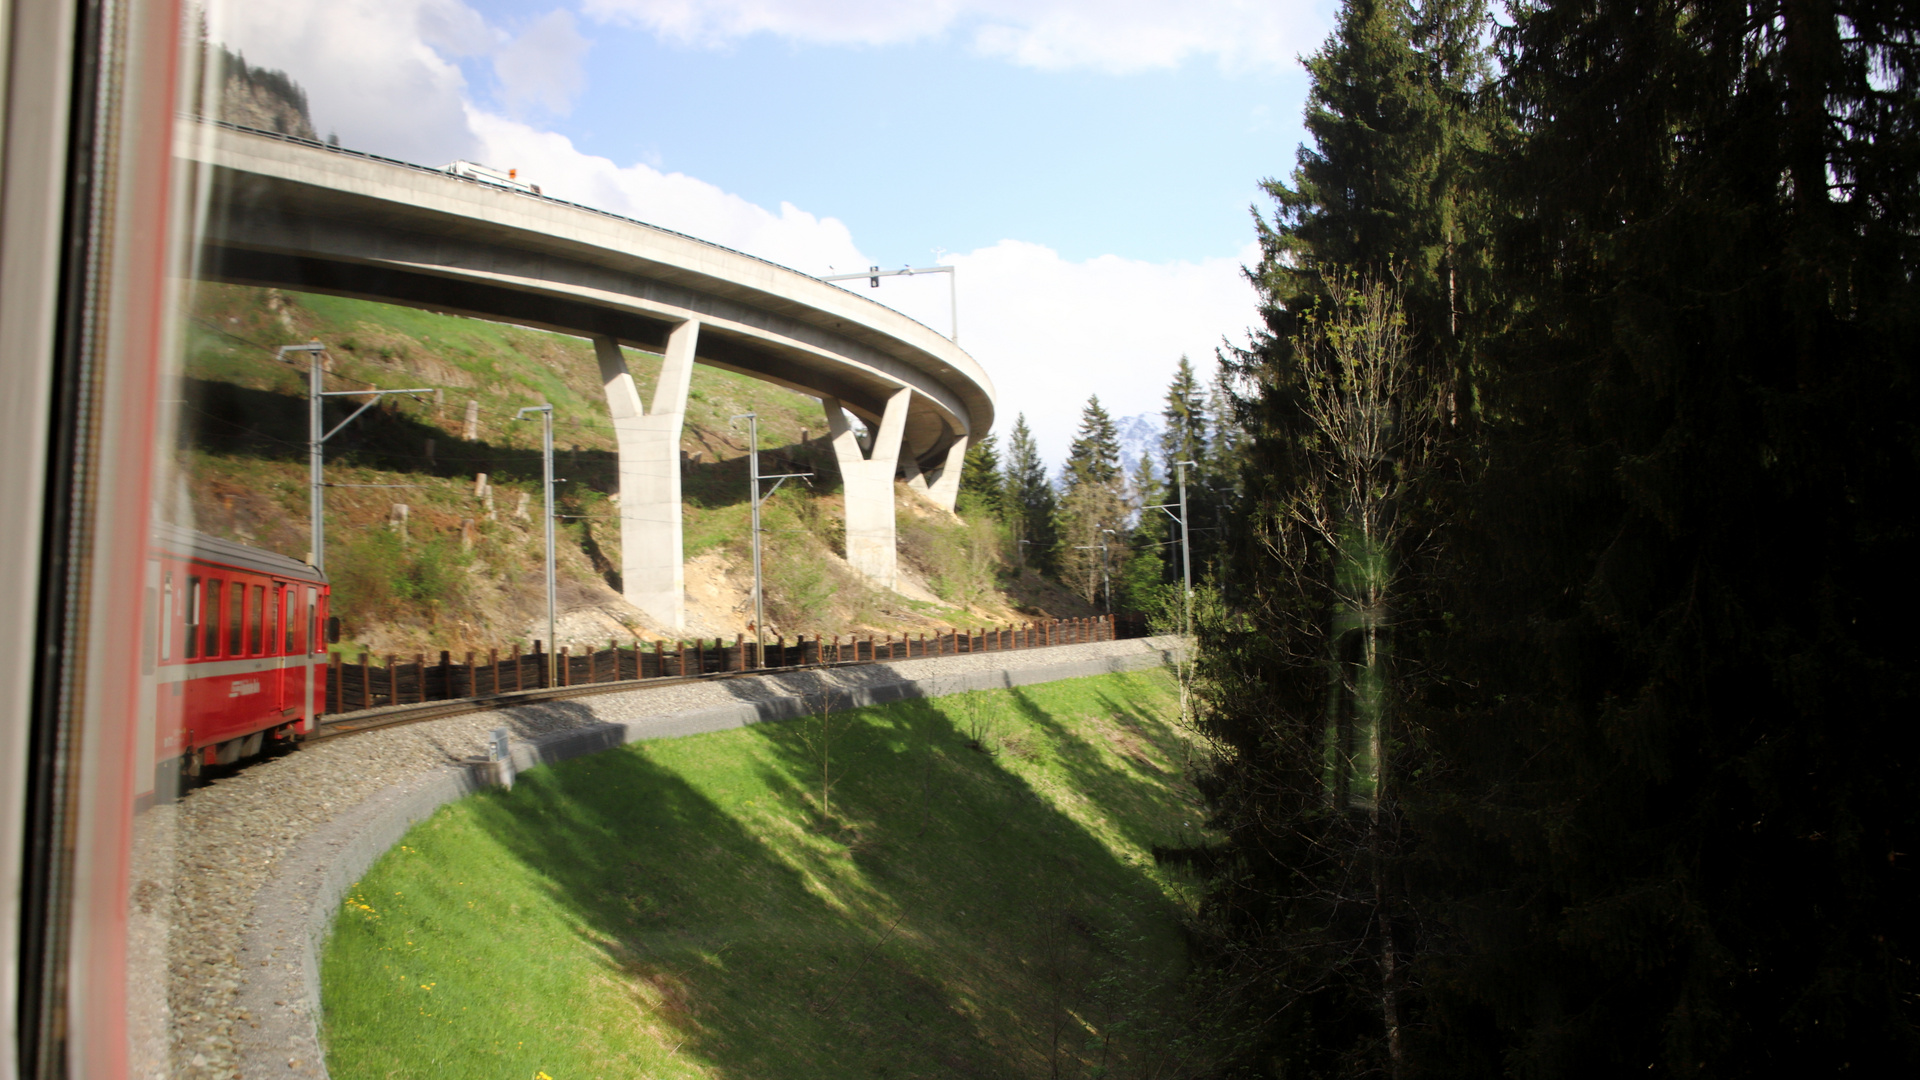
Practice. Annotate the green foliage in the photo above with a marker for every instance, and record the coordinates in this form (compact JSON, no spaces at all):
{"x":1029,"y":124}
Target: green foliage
{"x":1094,"y":456}
{"x":377,"y":575}
{"x":961,"y":559}
{"x":1031,"y":503}
{"x":678,"y":908}
{"x":1655,"y":781}
{"x":1094,"y":509}
{"x":982,"y":488}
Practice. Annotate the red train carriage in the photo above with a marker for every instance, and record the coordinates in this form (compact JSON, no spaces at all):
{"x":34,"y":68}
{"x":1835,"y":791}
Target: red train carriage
{"x":237,"y":652}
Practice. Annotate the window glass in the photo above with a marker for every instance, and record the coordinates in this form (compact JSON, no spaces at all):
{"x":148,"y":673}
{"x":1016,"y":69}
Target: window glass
{"x":257,"y":620}
{"x":313,"y":620}
{"x":190,"y":608}
{"x":296,"y":641}
{"x":212,"y":614}
{"x":271,"y":618}
{"x":237,"y":620}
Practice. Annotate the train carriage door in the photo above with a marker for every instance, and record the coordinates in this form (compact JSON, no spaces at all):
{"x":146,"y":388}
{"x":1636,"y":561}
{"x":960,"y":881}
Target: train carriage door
{"x":315,"y":700}
{"x":277,"y":600}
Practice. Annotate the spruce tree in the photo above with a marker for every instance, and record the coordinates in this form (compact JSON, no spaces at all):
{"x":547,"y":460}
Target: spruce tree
{"x":1380,"y":237}
{"x":1093,"y":507}
{"x":1184,"y":435}
{"x":1030,"y":499}
{"x":1142,"y":589}
{"x":982,"y":487}
{"x":1679,"y":784}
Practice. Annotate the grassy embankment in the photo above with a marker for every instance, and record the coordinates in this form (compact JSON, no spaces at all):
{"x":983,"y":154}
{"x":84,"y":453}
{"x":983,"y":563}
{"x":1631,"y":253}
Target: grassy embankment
{"x":700,"y":907}
{"x":459,"y":579}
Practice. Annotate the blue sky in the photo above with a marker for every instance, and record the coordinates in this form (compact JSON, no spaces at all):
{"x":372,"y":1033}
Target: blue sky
{"x":1088,"y":166}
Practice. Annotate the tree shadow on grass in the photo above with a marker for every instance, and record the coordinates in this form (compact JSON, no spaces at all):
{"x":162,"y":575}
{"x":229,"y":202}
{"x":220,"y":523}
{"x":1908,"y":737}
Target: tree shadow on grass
{"x":1134,"y":791}
{"x":943,"y":921}
{"x":758,"y":973}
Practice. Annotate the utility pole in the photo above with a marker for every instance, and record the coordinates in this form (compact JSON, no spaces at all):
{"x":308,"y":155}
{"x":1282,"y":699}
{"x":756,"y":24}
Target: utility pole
{"x":317,"y":394}
{"x":753,"y":491}
{"x":1186,"y":548}
{"x":1106,"y":576}
{"x":546,"y":479}
{"x":874,"y":274}
{"x":1106,"y":579}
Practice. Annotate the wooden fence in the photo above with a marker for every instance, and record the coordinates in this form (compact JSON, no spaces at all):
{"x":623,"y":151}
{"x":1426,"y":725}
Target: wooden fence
{"x":364,"y":684}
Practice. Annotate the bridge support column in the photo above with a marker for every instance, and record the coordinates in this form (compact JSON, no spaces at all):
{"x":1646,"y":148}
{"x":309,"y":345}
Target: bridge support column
{"x":652,"y":570}
{"x":869,"y":487}
{"x":942,"y":486}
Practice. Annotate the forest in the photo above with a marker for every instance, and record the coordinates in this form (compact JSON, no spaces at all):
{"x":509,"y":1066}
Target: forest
{"x":1548,"y":651}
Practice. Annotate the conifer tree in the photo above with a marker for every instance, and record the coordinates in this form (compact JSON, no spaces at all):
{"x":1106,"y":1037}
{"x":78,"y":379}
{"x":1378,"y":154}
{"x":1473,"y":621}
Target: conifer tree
{"x":1142,"y":587}
{"x":1184,"y":434}
{"x":1093,"y":507}
{"x":1029,"y":499}
{"x":1680,"y":782}
{"x":1379,"y":237}
{"x":982,"y":487}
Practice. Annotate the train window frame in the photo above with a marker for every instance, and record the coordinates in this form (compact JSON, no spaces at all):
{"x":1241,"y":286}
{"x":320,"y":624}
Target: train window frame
{"x":315,"y":644}
{"x":210,"y":615}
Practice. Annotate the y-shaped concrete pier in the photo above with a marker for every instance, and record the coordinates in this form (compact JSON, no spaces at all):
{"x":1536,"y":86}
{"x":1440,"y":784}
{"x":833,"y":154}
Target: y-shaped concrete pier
{"x":323,"y":219}
{"x":652,"y":548}
{"x":868,"y":478}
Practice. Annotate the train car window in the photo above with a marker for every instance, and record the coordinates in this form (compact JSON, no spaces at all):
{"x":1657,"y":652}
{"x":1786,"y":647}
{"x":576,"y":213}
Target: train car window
{"x":296,"y":641}
{"x":191,"y":610}
{"x":257,"y":621}
{"x":237,"y":620}
{"x":167,"y":606}
{"x":270,"y":618}
{"x":212,"y":613}
{"x":313,"y":621}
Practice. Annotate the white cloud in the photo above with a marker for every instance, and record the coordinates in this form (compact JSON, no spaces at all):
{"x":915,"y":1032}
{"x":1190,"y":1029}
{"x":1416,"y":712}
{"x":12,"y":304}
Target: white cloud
{"x":1105,"y":35}
{"x":1052,"y":332}
{"x":1049,"y":331}
{"x":674,"y":201}
{"x":542,"y":66}
{"x":376,"y":71}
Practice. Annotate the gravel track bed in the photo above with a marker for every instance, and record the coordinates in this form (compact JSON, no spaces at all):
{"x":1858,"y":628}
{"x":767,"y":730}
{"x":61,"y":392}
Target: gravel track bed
{"x":198,"y":862}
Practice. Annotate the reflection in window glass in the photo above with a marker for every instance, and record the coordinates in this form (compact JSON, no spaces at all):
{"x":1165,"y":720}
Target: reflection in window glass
{"x":166,"y":616}
{"x":213,"y":616}
{"x":191,"y":638}
{"x":257,"y":620}
{"x":270,"y":618}
{"x":237,"y":620}
{"x":296,"y":641}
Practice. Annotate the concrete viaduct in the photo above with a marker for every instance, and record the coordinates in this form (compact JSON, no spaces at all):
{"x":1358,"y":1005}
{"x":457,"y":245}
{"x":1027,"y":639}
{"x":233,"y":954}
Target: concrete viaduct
{"x":297,"y":215}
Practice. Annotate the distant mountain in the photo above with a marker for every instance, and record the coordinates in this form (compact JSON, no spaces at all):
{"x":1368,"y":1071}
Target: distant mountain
{"x":1139,"y":434}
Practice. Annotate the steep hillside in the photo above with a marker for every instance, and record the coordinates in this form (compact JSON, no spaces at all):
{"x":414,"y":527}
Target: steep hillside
{"x":424,"y":553}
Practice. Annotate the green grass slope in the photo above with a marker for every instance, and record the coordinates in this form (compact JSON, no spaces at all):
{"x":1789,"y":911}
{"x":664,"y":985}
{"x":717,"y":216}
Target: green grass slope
{"x":866,"y":897}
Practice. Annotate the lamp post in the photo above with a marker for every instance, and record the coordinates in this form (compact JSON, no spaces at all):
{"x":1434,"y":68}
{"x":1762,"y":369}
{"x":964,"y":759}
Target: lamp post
{"x":317,"y":394}
{"x":753,"y":491}
{"x":546,"y":482}
{"x":874,"y":274}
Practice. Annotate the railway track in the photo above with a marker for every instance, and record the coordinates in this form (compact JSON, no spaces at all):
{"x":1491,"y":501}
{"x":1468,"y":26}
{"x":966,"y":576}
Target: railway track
{"x":354,"y":723}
